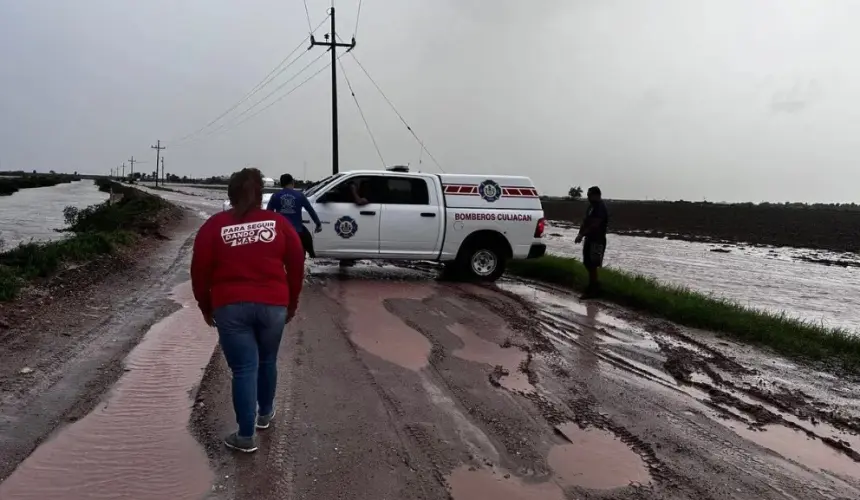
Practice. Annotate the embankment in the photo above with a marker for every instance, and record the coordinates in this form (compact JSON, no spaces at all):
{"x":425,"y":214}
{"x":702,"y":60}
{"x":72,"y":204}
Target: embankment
{"x":823,"y":227}
{"x":99,"y":230}
{"x":17,"y":181}
{"x":834,"y":349}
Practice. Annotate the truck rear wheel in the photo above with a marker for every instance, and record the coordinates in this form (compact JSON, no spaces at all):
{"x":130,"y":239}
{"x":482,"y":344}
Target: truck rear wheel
{"x":482,"y":263}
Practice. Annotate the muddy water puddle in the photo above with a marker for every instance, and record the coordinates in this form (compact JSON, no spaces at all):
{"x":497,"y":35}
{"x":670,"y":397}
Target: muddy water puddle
{"x":136,"y":444}
{"x":376,"y":330}
{"x":797,"y":440}
{"x":483,"y":351}
{"x":468,"y":483}
{"x":799,"y":447}
{"x":591,"y":459}
{"x":570,"y":317}
{"x":816,"y":427}
{"x":596,"y":459}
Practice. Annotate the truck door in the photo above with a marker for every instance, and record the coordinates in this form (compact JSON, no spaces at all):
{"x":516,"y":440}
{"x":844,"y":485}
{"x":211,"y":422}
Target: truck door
{"x":349,"y":230}
{"x":411,"y":219}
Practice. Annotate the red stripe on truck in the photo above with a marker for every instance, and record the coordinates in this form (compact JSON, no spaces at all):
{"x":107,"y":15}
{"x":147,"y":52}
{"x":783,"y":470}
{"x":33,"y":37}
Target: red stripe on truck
{"x":461,"y":189}
{"x":472,"y":190}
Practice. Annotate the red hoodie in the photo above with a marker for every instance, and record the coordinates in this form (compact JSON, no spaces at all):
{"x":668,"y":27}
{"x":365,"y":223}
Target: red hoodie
{"x":245,"y":259}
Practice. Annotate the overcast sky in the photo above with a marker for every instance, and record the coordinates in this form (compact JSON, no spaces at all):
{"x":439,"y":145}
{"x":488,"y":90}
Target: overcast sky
{"x":735,"y":100}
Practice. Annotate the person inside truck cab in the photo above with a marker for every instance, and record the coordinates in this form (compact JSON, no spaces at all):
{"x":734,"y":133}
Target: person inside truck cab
{"x":355,"y":191}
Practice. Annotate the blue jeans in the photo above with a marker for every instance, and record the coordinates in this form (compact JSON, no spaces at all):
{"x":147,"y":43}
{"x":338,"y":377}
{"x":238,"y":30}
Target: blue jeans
{"x":250,"y":335}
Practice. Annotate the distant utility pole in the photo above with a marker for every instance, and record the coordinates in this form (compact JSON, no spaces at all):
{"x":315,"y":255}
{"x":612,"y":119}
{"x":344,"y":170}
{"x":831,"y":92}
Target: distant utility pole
{"x":158,"y":147}
{"x":123,"y":170}
{"x":163,"y":177}
{"x":132,"y":161}
{"x":331,"y":43}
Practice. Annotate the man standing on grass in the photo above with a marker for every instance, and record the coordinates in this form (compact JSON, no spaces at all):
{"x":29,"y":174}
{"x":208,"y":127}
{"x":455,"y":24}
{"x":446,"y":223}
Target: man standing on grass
{"x":289,"y":202}
{"x":593,"y":230}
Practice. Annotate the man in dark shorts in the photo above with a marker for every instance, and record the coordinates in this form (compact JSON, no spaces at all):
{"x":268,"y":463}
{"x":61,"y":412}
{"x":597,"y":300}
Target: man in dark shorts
{"x":289,"y":202}
{"x":593,"y":230}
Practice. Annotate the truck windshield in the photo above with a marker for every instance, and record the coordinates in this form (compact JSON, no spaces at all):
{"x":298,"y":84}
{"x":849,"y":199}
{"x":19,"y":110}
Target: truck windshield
{"x":316,"y":187}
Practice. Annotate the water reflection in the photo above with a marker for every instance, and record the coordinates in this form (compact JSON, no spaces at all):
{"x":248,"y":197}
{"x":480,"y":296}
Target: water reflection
{"x":35,"y":213}
{"x":766,"y":278}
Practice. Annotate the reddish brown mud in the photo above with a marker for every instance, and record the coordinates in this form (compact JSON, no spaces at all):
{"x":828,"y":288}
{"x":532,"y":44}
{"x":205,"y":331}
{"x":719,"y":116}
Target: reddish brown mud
{"x":66,"y":340}
{"x":135,"y":444}
{"x":524,"y":393}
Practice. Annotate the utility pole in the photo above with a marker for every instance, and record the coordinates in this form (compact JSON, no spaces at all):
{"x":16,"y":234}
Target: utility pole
{"x":163,"y":177}
{"x":123,"y":170}
{"x":132,"y":161}
{"x":158,"y":147}
{"x":331,"y":43}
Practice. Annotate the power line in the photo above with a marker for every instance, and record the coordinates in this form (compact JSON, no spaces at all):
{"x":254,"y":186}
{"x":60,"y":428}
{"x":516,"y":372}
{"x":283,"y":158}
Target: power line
{"x":396,"y":112}
{"x":274,"y":73}
{"x":357,"y":17}
{"x":308,"y":13}
{"x":235,"y":125}
{"x":361,"y":112}
{"x":279,"y":87}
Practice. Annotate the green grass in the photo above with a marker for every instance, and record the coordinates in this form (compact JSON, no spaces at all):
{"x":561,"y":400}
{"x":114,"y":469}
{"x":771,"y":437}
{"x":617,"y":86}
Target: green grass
{"x":785,"y":335}
{"x":97,"y":230}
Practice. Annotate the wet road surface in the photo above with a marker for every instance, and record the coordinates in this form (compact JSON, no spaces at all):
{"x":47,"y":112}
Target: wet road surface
{"x":394,"y":385}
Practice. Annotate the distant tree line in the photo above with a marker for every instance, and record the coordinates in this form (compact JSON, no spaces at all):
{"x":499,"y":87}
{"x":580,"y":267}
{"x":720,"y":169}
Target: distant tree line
{"x":12,"y":182}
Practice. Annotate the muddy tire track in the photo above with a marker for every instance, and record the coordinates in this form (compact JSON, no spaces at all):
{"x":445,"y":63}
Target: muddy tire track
{"x":683,"y":364}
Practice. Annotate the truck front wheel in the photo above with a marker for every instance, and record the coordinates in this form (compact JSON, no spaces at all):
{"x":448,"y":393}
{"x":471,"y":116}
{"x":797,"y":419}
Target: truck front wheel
{"x":482,"y":263}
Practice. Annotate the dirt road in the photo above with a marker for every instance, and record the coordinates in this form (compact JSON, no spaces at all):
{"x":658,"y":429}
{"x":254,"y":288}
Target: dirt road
{"x":395,"y":385}
{"x":409,"y":388}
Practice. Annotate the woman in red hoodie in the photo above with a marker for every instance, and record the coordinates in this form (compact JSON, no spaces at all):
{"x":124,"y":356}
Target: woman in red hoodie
{"x":247,"y":271}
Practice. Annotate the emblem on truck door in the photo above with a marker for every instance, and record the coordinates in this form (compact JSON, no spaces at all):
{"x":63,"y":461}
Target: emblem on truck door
{"x":346,"y":227}
{"x":490,"y":191}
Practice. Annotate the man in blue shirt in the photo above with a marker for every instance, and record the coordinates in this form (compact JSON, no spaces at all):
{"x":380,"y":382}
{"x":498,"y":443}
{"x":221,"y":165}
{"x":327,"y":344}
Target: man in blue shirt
{"x":289,"y":202}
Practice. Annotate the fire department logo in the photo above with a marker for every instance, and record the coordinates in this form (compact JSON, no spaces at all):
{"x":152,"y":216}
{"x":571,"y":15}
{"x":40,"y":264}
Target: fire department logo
{"x":490,"y":190}
{"x":288,"y":202}
{"x":346,"y":227}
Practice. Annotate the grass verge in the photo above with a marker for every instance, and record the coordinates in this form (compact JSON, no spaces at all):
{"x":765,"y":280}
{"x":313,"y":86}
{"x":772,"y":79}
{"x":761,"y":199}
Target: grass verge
{"x":97,"y":230}
{"x":785,"y":335}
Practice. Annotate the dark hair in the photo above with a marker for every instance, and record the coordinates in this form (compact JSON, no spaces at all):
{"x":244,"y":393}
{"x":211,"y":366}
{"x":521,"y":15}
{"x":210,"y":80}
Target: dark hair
{"x":245,"y":190}
{"x":594,"y":190}
{"x":286,"y":180}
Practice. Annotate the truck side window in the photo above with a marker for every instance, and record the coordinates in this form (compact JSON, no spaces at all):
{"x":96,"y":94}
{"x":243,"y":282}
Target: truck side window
{"x":342,"y":192}
{"x":406,"y":191}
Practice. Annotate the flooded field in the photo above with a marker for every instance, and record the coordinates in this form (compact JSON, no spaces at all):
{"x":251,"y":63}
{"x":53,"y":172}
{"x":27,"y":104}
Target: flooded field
{"x":393,"y":384}
{"x":774,"y":279}
{"x":36,"y":213}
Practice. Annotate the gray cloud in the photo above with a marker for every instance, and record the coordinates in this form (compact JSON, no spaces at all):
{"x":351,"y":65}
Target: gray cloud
{"x":729,"y":100}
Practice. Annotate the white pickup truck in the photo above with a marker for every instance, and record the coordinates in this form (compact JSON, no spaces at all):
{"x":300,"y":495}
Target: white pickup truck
{"x":474,"y":223}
